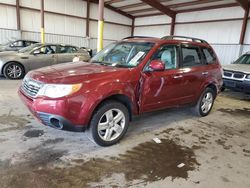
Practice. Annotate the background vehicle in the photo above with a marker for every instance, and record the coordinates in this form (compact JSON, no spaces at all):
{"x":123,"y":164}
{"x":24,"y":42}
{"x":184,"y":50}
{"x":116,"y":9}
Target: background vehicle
{"x":14,"y":65}
{"x":236,"y":76}
{"x":89,"y":50}
{"x":16,"y":45}
{"x":127,"y":78}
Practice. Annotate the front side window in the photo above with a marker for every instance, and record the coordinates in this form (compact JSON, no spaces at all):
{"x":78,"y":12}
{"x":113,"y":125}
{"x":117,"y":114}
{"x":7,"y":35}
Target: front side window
{"x":49,"y":49}
{"x":190,"y":56}
{"x":209,"y":55}
{"x":167,"y":54}
{"x":123,"y":54}
{"x":245,"y":59}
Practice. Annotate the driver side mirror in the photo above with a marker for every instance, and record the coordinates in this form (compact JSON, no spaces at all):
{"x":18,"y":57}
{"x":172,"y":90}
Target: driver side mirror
{"x":157,"y":65}
{"x":36,"y":52}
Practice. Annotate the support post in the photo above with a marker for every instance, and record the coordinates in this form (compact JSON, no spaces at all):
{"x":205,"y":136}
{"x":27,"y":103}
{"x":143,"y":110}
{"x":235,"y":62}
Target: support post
{"x":18,"y":15}
{"x":244,"y":26}
{"x":42,"y":23}
{"x":172,"y":25}
{"x":100,"y":26}
{"x":133,"y":27}
{"x":87,"y":18}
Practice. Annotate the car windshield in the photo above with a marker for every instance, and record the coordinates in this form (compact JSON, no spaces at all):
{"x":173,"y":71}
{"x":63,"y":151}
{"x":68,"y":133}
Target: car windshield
{"x":123,"y":54}
{"x":30,"y":48}
{"x":245,"y":59}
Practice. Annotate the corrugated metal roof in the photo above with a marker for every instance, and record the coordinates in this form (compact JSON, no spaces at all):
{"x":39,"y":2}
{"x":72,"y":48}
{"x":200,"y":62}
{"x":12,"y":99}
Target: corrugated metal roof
{"x":140,"y":8}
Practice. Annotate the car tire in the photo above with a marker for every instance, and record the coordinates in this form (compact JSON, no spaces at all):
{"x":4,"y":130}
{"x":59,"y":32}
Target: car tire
{"x":109,"y":123}
{"x":13,"y":71}
{"x":205,"y":102}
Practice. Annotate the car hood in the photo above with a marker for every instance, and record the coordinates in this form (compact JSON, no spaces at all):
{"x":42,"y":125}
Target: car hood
{"x":77,"y":72}
{"x":7,"y":53}
{"x":237,"y":67}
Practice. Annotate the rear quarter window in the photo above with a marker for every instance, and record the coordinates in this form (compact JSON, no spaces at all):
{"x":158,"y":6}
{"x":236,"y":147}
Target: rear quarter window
{"x":209,"y":55}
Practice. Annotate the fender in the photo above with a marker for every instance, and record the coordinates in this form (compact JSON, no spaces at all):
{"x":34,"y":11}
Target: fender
{"x":105,"y":91}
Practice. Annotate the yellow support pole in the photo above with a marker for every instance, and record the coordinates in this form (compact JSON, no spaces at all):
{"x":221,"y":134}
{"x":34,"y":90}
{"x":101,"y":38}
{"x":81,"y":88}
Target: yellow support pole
{"x":100,"y":35}
{"x":42,"y":36}
{"x":100,"y":25}
{"x":42,"y":22}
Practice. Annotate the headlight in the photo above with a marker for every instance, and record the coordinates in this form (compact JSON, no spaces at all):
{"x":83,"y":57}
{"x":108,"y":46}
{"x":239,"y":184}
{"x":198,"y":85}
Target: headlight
{"x":59,"y":90}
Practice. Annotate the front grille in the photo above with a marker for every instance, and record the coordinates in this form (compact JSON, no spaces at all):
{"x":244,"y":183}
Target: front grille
{"x":228,"y":74}
{"x":31,"y":87}
{"x":238,"y":75}
{"x":234,"y":75}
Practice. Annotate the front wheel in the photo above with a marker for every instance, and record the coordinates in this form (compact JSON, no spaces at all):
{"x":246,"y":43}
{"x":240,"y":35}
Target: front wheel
{"x":13,"y":71}
{"x":109,"y":123}
{"x":205,"y":102}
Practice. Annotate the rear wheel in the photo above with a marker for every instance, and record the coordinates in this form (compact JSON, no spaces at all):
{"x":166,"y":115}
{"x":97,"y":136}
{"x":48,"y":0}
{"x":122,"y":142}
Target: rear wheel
{"x":109,"y":123}
{"x":205,"y":102}
{"x":13,"y":71}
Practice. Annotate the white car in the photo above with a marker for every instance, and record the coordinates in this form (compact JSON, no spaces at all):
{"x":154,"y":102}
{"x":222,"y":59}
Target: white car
{"x":236,"y":76}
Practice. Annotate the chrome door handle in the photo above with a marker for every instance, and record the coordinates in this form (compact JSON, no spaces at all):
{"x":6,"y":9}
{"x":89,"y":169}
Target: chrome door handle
{"x":177,"y":76}
{"x":204,"y":73}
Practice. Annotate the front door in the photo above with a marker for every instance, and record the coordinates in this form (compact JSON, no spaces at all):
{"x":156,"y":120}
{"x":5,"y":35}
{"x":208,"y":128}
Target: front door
{"x":42,"y":57}
{"x":161,"y":89}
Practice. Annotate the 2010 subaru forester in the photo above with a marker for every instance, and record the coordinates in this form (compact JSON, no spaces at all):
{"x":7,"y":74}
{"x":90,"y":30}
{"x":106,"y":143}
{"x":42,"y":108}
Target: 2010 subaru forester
{"x":127,"y":78}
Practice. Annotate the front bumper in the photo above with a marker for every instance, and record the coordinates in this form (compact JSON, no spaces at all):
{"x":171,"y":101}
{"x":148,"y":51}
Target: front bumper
{"x":52,"y":113}
{"x":236,"y":85}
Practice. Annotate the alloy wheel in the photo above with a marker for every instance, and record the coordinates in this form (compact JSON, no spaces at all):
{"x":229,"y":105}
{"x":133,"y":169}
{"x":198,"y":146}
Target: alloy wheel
{"x":111,"y":124}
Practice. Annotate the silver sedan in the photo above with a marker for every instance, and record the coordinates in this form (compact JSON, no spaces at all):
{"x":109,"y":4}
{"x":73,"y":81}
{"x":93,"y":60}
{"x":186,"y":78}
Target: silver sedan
{"x":14,"y":65}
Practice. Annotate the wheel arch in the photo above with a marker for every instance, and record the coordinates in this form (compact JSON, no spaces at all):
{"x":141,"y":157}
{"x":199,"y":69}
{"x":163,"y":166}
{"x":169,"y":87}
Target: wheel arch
{"x":213,"y":87}
{"x":122,"y":98}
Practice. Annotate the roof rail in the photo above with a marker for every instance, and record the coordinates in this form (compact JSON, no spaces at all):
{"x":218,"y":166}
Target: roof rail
{"x":136,"y":37}
{"x":171,"y":37}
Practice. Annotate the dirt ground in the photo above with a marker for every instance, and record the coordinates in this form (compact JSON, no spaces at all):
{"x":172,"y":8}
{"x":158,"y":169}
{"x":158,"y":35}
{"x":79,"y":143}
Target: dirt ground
{"x":213,"y":151}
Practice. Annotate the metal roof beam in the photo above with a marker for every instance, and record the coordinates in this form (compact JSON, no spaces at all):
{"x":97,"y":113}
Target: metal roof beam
{"x":113,"y":9}
{"x":243,"y":3}
{"x":160,"y":7}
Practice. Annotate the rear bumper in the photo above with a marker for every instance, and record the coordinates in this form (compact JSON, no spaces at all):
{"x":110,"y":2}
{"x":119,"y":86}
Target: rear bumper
{"x":236,"y":85}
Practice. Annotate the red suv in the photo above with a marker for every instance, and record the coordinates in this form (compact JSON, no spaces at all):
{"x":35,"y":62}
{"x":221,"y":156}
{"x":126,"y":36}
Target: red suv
{"x":127,"y":78}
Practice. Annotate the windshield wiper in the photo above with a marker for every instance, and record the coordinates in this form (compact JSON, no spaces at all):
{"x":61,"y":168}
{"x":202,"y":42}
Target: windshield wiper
{"x":124,"y":66}
{"x":101,"y":63}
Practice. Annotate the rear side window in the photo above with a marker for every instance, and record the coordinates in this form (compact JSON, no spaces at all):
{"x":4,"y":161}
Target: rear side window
{"x":209,"y":55}
{"x":191,"y":56}
{"x":67,"y":49}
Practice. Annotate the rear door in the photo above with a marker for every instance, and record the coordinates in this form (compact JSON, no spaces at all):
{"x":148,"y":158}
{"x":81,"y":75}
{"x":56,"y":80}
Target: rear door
{"x":66,"y":54}
{"x":161,"y":89}
{"x":195,"y":71}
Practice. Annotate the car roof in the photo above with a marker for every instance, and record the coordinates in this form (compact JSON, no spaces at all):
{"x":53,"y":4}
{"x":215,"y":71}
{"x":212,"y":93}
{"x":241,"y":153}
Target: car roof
{"x":57,"y":44}
{"x":170,"y":40}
